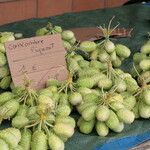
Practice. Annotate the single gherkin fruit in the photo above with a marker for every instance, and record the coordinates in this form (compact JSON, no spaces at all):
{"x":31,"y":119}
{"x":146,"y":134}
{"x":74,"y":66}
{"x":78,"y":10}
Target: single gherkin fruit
{"x":20,"y":122}
{"x":84,"y":63}
{"x":11,"y":136}
{"x":89,"y":113}
{"x":98,"y":65}
{"x":25,"y":141}
{"x":6,"y":96}
{"x":103,"y":56}
{"x":113,"y":56}
{"x":75,"y":98}
{"x":138,"y":57}
{"x":144,"y":76}
{"x":146,"y":96}
{"x":105,"y":83}
{"x":136,"y":111}
{"x":119,"y":128}
{"x":3,"y":59}
{"x":145,"y":64}
{"x":2,"y":48}
{"x":121,"y":85}
{"x":126,"y":115}
{"x":67,"y":45}
{"x":112,"y":122}
{"x":67,"y":35}
{"x":116,"y":105}
{"x":85,"y":127}
{"x":146,"y":48}
{"x":9,"y":109}
{"x":144,"y":110}
{"x":63,"y":110}
{"x":109,"y":46}
{"x":122,"y":51}
{"x":102,"y":113}
{"x":87,"y":46}
{"x":67,"y":131}
{"x":94,"y":54}
{"x":4,"y":71}
{"x":39,"y":141}
{"x":102,"y":129}
{"x":129,"y":100}
{"x":42,"y":31}
{"x":117,"y":62}
{"x":55,"y":143}
{"x":72,"y":41}
{"x":58,"y":29}
{"x":5,"y":82}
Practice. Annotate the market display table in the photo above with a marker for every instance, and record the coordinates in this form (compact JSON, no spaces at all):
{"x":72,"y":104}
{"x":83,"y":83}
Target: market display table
{"x":133,"y":16}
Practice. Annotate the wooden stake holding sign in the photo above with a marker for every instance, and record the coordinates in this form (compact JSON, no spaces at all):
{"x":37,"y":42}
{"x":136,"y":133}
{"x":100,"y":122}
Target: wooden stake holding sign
{"x":38,"y":58}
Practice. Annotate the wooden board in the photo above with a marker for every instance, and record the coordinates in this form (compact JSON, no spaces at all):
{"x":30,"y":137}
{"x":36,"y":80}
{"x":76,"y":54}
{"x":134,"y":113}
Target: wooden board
{"x":53,"y":7}
{"x":17,"y":10}
{"x":81,"y":5}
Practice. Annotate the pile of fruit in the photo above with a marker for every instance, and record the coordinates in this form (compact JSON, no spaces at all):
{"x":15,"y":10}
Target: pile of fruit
{"x":103,"y":96}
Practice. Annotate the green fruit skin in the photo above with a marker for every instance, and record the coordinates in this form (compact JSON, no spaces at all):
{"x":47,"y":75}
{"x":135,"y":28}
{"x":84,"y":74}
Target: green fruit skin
{"x":20,"y":121}
{"x":5,"y":82}
{"x":3,"y":60}
{"x":102,"y":129}
{"x":3,"y":145}
{"x":41,"y":31}
{"x":83,"y":106}
{"x":94,"y":54}
{"x":145,"y":64}
{"x":146,"y":97}
{"x":9,"y":109}
{"x":63,"y":130}
{"x":67,"y":45}
{"x":121,"y":85}
{"x":113,"y":121}
{"x":84,"y":64}
{"x":117,"y":62}
{"x":67,"y":35}
{"x":119,"y":128}
{"x":122,"y":51}
{"x":89,"y":113}
{"x":98,"y":65}
{"x":22,"y":110}
{"x":87,"y":46}
{"x":4,"y":71}
{"x":86,"y":127}
{"x":63,"y":110}
{"x":66,"y":120}
{"x":11,"y":136}
{"x":105,"y":83}
{"x":18,"y":148}
{"x":129,"y":100}
{"x":39,"y":141}
{"x":145,"y":76}
{"x":90,"y":97}
{"x":137,"y":57}
{"x":102,"y":113}
{"x":2,"y":48}
{"x":75,"y":98}
{"x":126,"y":115}
{"x":109,"y":46}
{"x":55,"y":143}
{"x":144,"y":110}
{"x":116,"y":105}
{"x":145,"y":48}
{"x":25,"y":139}
{"x":6,"y":96}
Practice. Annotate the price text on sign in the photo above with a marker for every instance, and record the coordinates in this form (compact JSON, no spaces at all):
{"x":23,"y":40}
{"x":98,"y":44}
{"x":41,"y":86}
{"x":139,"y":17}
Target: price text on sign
{"x":38,"y":58}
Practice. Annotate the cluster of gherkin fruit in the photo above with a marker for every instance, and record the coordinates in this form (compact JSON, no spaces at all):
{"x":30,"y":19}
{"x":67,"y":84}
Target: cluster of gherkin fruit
{"x":105,"y":97}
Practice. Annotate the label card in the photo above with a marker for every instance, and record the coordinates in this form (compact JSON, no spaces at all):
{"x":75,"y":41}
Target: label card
{"x":38,"y":58}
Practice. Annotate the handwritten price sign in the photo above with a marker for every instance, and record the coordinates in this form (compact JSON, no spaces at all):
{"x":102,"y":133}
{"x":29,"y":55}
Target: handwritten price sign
{"x":40,"y":58}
